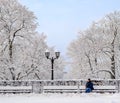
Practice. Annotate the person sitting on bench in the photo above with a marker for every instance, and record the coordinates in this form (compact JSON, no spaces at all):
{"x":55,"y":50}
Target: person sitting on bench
{"x":89,"y":86}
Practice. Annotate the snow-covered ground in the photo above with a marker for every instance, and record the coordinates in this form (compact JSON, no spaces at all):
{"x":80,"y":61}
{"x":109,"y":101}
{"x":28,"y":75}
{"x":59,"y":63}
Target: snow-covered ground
{"x":60,"y":98}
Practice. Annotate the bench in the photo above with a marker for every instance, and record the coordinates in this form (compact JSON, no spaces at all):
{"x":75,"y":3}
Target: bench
{"x":100,"y":89}
{"x":78,"y":89}
{"x":105,"y":89}
{"x":15,"y":89}
{"x":60,"y":89}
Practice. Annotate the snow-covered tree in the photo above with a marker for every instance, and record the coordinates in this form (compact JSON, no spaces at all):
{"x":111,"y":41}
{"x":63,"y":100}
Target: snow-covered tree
{"x":17,"y":27}
{"x":42,"y":64}
{"x":21,"y":47}
{"x":96,"y":51}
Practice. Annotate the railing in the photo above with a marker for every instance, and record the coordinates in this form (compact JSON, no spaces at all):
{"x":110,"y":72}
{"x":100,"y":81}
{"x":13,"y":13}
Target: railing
{"x":54,"y":86}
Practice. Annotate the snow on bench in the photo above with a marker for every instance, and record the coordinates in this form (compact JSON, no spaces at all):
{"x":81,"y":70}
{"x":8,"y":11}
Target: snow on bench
{"x":15,"y":89}
{"x":60,"y":89}
{"x":78,"y":89}
{"x":100,"y":89}
{"x":103,"y":89}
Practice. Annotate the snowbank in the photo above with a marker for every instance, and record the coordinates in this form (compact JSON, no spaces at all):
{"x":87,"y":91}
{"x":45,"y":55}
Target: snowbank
{"x":60,"y":98}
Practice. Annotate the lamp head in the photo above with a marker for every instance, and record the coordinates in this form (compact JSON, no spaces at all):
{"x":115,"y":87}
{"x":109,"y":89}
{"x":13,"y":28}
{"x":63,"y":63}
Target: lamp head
{"x":47,"y":54}
{"x":57,"y":54}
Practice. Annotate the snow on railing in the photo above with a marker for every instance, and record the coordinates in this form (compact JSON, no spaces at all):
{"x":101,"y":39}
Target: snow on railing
{"x":38,"y":86}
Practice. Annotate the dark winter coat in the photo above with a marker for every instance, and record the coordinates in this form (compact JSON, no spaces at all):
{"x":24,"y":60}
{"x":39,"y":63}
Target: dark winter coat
{"x":89,"y":85}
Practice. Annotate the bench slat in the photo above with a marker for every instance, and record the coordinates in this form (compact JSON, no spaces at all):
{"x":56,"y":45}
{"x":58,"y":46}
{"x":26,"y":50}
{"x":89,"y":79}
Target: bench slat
{"x":15,"y":89}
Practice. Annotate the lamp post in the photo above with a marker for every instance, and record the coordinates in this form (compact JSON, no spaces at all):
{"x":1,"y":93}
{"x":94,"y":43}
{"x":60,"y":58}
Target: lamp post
{"x":52,"y":59}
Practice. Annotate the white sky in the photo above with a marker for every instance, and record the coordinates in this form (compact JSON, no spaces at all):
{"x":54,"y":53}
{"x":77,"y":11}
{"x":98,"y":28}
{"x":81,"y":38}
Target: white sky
{"x":61,"y":20}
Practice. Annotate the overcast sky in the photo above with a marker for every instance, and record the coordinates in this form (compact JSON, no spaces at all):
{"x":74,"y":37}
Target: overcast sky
{"x":61,"y":20}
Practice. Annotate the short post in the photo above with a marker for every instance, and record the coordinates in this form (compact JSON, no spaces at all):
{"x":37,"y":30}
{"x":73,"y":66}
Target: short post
{"x":118,"y":86}
{"x":37,"y":86}
{"x":78,"y":84}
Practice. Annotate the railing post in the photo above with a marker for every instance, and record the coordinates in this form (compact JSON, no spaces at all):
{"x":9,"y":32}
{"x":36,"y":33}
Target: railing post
{"x":37,"y":86}
{"x":78,"y":84}
{"x":32,"y":86}
{"x":118,"y":86}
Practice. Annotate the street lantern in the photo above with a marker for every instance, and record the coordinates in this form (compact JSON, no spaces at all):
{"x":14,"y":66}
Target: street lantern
{"x":47,"y":54}
{"x":52,"y":59}
{"x":57,"y":54}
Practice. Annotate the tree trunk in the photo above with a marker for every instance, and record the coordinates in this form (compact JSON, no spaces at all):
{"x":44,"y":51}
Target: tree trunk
{"x":113,"y":55}
{"x":113,"y":68}
{"x":10,"y":49}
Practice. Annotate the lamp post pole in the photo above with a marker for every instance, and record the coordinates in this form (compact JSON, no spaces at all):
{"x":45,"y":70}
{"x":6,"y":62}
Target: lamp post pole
{"x":52,"y":59}
{"x":52,"y":71}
